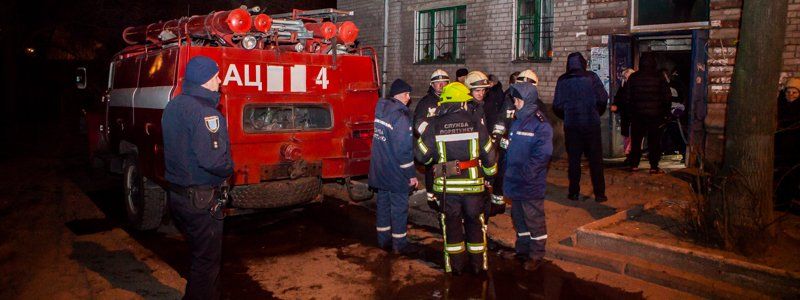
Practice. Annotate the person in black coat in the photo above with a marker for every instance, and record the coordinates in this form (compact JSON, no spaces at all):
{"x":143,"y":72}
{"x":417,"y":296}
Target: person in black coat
{"x":648,"y":104}
{"x":787,"y":138}
{"x":426,"y":107}
{"x":579,"y":100}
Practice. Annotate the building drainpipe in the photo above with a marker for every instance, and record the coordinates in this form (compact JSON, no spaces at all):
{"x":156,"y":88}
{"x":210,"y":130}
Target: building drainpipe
{"x":385,"y":45}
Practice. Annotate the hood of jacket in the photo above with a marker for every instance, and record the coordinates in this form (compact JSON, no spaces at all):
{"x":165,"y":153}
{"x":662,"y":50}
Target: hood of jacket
{"x":528,"y":93}
{"x":386,"y":106}
{"x":576,"y":62}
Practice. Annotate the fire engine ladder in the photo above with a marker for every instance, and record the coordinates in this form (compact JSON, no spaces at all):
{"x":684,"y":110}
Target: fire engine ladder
{"x":325,"y":13}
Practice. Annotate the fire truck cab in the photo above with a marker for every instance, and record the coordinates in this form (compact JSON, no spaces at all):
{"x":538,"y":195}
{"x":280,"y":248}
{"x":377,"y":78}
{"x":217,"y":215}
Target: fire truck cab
{"x":298,"y":96}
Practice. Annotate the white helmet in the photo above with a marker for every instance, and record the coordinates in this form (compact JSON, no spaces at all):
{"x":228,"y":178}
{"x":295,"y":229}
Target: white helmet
{"x":528,"y":76}
{"x":440,"y":75}
{"x":476,"y":79}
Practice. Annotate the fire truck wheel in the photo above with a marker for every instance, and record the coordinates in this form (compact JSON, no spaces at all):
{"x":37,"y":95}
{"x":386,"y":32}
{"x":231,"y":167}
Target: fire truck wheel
{"x":276,"y":193}
{"x":144,"y":200}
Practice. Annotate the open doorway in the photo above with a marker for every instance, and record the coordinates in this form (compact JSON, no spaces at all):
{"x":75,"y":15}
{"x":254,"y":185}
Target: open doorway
{"x":681,"y":56}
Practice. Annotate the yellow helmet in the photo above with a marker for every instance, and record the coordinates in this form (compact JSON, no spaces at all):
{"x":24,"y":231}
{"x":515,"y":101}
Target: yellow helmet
{"x":528,"y":76}
{"x":476,"y":79}
{"x":455,"y":92}
{"x":439,"y":75}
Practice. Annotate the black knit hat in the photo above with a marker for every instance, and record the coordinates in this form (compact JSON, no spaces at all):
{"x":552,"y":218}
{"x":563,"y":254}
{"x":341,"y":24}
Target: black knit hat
{"x":461,"y":72}
{"x":398,"y":87}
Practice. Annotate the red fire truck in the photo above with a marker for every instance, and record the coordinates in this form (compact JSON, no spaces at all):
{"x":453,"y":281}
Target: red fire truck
{"x":298,"y":96}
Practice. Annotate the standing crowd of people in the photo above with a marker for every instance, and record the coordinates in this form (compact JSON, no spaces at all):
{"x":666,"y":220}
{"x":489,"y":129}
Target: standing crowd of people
{"x":481,"y":147}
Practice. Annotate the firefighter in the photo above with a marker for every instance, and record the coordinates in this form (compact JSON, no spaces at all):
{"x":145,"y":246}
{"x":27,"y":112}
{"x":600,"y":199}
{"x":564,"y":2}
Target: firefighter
{"x":426,"y":107}
{"x":478,"y":84}
{"x":457,"y":143}
{"x":529,"y":150}
{"x":198,"y":161}
{"x":391,"y":169}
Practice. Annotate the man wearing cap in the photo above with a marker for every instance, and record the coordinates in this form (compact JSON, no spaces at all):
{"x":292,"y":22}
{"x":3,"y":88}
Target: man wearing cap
{"x":426,"y":107}
{"x":391,"y":168}
{"x":529,"y":150}
{"x":456,"y":142}
{"x":197,"y":157}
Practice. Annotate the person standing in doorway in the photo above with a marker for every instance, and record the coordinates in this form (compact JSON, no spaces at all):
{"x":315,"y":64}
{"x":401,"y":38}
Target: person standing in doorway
{"x":648,"y":105}
{"x":580,"y":99}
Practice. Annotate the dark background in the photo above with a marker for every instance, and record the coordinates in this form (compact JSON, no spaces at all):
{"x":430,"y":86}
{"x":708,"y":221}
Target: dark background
{"x":43,"y":42}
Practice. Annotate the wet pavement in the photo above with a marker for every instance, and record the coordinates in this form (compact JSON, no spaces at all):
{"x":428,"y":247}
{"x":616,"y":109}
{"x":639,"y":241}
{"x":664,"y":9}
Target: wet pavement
{"x":255,"y":242}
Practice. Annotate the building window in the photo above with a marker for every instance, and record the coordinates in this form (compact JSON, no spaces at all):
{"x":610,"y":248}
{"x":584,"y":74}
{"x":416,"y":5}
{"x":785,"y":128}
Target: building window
{"x":441,"y":35}
{"x":533,"y":33}
{"x":659,"y":15}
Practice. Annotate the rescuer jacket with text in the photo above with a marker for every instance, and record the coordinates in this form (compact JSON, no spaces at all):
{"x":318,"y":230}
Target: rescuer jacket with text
{"x":392,"y":162}
{"x":457,"y":134}
{"x":580,"y":96}
{"x":196,"y":144}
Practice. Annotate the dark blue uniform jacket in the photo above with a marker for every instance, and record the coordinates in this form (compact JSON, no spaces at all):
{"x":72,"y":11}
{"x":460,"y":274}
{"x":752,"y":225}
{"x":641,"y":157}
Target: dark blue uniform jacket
{"x":528,"y":155}
{"x":196,"y":145}
{"x":580,"y":97}
{"x":392,"y":162}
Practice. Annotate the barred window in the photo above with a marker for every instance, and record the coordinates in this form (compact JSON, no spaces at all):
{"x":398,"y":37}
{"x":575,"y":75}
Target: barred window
{"x":441,"y":35}
{"x":533,"y":34}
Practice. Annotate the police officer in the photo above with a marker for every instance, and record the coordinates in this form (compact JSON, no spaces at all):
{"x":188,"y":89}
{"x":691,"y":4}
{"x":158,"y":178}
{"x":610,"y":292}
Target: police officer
{"x":426,"y":107}
{"x":391,"y":169}
{"x":529,"y":151}
{"x":456,"y":141}
{"x":198,"y":161}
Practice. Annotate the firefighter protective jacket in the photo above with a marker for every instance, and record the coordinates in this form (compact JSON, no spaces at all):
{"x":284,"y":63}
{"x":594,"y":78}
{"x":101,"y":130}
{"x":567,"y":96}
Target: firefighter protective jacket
{"x":392,"y":163}
{"x":196,"y":144}
{"x":456,"y":134}
{"x":529,"y":151}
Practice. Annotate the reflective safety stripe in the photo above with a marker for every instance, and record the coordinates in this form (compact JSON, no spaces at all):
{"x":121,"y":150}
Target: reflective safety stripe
{"x":422,"y":146}
{"x":525,"y":133}
{"x":387,"y":228}
{"x":456,"y":137}
{"x":488,"y":146}
{"x":408,"y":165}
{"x":459,"y":190}
{"x":475,"y":248}
{"x":379,"y":121}
{"x":429,"y":161}
{"x":497,"y":199}
{"x":523,"y":234}
{"x":459,"y":181}
{"x":454,"y":248}
{"x":539,"y":238}
{"x":484,"y":228}
{"x":447,"y":267}
{"x":422,"y":127}
{"x":499,"y":129}
{"x":490,"y":170}
{"x":442,"y":151}
{"x":399,"y":235}
{"x":473,"y":149}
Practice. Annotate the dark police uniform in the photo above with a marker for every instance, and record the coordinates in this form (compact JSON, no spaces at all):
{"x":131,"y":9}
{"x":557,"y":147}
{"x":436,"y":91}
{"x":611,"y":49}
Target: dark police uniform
{"x":529,"y":151}
{"x":426,"y":108}
{"x":391,"y":168}
{"x":457,"y":134}
{"x":197,"y":154}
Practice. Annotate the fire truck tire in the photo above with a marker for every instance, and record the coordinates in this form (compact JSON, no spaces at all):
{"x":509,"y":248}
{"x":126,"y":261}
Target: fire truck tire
{"x":276,"y":193}
{"x":144,"y":200}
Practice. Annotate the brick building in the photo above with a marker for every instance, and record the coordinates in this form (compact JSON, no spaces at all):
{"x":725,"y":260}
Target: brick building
{"x":697,"y":38}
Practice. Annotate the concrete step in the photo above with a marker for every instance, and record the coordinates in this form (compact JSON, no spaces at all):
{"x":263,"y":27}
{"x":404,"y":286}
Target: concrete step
{"x":662,"y":275}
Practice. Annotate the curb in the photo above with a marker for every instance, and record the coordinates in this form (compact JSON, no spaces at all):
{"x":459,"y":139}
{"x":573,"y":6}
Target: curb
{"x":732,"y":271}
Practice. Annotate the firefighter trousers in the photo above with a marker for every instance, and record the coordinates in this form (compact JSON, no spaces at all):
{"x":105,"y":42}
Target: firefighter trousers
{"x":204,"y":234}
{"x":464,"y":240}
{"x":529,"y":223}
{"x":392,"y":218}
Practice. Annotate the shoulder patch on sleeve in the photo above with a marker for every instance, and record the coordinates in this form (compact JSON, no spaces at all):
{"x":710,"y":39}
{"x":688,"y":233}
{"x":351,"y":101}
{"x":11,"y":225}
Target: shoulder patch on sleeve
{"x":212,"y":123}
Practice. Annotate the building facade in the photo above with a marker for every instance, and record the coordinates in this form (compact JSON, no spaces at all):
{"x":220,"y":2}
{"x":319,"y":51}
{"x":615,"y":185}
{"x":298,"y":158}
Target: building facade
{"x":695,"y":39}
